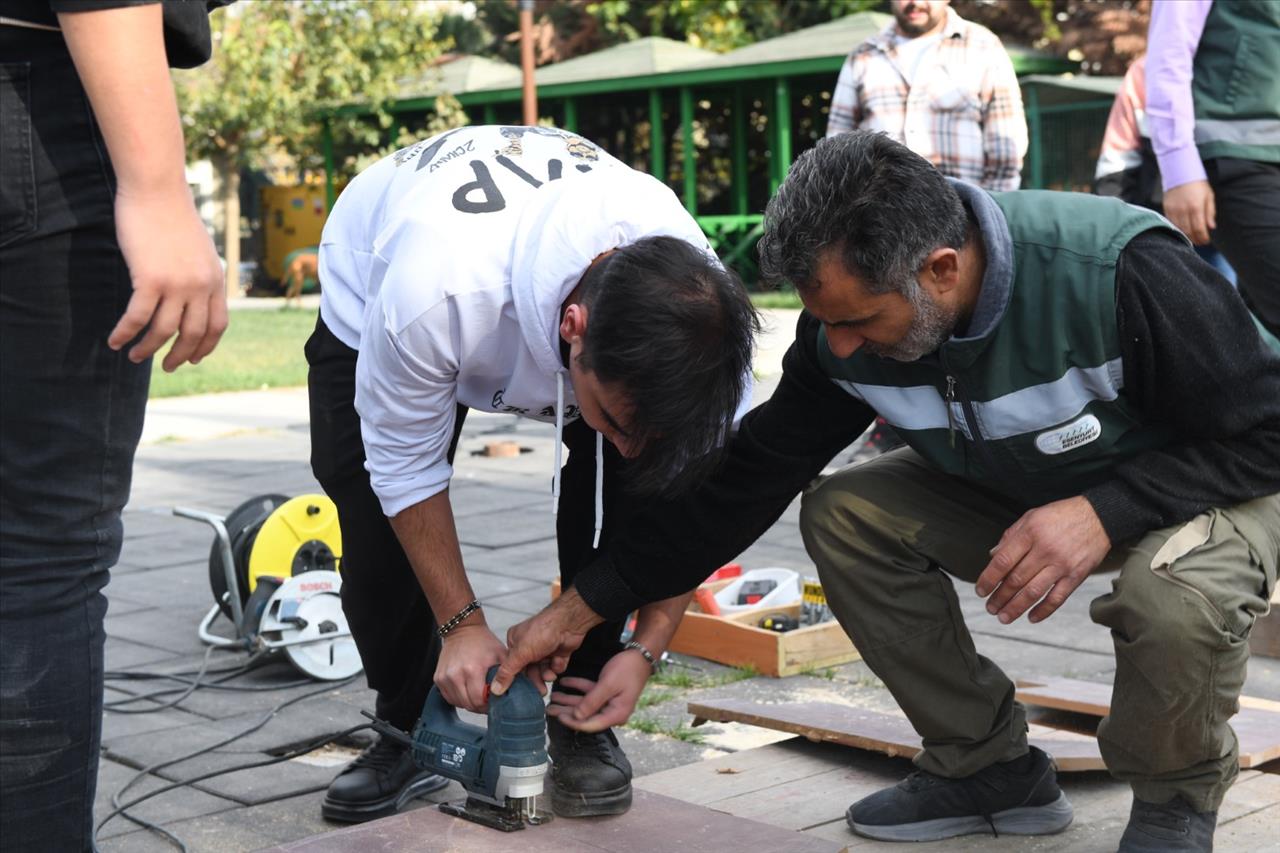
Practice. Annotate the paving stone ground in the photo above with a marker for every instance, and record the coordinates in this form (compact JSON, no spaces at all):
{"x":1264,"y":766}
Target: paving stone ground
{"x":160,"y":591}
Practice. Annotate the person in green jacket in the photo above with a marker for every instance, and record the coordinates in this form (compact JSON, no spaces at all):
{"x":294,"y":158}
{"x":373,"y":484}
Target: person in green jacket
{"x":1078,"y":393}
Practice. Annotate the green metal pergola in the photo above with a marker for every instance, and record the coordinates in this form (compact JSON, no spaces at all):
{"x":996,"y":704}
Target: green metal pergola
{"x":774,"y":73}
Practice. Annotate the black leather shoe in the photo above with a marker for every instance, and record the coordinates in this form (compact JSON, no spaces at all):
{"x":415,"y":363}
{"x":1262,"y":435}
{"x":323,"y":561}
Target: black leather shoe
{"x":377,"y":784}
{"x":1172,"y":827}
{"x":1019,"y":797}
{"x":590,"y":774}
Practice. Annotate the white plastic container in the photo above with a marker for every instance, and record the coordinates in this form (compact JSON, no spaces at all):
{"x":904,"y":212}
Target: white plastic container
{"x":787,"y":590}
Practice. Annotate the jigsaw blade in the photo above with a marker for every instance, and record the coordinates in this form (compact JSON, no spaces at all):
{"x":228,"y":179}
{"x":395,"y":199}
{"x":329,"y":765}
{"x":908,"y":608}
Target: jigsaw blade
{"x":505,"y":819}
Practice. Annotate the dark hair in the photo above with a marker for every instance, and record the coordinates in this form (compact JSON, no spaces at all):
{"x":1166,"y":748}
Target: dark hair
{"x":675,"y":331}
{"x":882,"y":206}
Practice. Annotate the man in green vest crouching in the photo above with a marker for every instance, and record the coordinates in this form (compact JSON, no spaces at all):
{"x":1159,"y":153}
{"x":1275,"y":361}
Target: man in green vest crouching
{"x":1078,"y":392}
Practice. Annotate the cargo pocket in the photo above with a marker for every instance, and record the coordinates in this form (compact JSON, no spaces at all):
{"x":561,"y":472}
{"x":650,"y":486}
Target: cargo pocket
{"x":17,"y":168}
{"x":1215,"y":560}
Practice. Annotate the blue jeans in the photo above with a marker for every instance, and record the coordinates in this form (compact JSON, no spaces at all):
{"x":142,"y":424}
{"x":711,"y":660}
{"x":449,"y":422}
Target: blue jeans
{"x":71,"y":414}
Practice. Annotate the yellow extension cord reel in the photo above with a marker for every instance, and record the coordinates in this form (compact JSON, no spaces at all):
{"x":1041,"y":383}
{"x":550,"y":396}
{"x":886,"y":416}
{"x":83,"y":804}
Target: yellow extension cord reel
{"x":274,"y":571}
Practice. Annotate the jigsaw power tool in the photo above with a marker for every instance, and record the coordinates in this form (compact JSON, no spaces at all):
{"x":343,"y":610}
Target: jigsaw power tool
{"x":502,"y":767}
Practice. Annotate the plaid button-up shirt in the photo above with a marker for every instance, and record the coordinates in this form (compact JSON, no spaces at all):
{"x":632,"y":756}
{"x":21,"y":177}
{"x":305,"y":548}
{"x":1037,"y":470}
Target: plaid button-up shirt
{"x":962,"y":112}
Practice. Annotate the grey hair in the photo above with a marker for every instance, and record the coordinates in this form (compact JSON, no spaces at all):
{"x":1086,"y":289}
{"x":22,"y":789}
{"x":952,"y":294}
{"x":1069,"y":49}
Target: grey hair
{"x":883,"y":207}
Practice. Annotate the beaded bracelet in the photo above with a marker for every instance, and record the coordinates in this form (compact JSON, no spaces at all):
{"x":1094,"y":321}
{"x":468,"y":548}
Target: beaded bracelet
{"x":457,"y":620}
{"x":645,"y":653}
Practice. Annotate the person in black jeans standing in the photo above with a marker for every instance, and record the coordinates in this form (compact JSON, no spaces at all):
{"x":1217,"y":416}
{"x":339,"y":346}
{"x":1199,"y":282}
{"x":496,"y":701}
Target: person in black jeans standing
{"x":102,"y":259}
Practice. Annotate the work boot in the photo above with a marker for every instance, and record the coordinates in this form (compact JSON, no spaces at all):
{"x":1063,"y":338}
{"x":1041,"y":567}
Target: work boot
{"x":1019,"y":797}
{"x":1172,"y":827}
{"x":378,"y":783}
{"x":590,"y":774}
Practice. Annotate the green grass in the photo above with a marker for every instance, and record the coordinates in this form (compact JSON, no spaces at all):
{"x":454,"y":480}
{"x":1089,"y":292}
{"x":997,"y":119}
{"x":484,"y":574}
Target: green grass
{"x":653,"y":696}
{"x":682,"y":678}
{"x":776,"y":299}
{"x":650,"y":726}
{"x":262,"y":348}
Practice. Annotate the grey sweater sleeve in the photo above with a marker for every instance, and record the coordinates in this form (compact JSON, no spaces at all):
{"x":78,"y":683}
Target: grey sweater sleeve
{"x":1194,"y":362}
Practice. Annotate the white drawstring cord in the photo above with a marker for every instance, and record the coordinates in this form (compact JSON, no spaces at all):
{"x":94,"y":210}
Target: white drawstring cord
{"x":599,"y":489}
{"x":555,"y":475}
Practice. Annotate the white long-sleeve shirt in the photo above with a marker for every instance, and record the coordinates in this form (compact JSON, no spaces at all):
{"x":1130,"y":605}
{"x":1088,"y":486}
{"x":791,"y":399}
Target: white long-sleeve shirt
{"x":445,"y":265}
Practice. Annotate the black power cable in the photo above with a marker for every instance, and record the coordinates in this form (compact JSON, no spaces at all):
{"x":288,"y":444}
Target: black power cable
{"x":195,"y":680}
{"x":121,"y":809}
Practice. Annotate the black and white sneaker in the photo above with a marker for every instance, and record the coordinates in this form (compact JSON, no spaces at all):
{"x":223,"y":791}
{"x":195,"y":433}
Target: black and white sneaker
{"x":1019,"y":797}
{"x":378,"y":783}
{"x":1172,"y":827}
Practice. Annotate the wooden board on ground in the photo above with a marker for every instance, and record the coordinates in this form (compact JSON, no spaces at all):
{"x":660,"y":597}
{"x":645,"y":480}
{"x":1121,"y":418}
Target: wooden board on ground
{"x":1264,"y":640}
{"x":654,"y":823}
{"x":857,"y":727}
{"x":736,"y":640}
{"x":1257,"y":725}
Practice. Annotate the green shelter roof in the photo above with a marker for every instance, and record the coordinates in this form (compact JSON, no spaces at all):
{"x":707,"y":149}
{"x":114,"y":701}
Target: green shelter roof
{"x":460,"y":75}
{"x":834,"y":38}
{"x":651,"y":55}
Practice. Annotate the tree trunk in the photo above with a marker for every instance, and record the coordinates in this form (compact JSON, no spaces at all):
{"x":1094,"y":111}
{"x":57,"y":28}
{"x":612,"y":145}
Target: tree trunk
{"x":231,"y":225}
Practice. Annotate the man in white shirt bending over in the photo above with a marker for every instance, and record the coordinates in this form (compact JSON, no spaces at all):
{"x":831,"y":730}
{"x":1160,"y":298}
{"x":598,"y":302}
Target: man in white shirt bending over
{"x":522,"y":270}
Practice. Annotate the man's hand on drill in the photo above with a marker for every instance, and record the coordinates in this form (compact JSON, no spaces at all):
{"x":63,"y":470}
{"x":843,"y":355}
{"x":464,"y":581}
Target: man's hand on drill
{"x":468,"y":652}
{"x":541,"y":644}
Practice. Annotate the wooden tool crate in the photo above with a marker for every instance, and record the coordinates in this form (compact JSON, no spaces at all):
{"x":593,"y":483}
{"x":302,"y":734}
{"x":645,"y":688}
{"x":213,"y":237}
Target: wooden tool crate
{"x":736,"y":641}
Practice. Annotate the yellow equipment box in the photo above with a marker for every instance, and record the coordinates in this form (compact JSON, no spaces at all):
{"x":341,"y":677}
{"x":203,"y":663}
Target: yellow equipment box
{"x":292,"y":218}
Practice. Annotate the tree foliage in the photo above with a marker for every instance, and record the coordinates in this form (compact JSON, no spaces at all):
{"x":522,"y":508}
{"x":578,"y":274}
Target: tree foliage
{"x":275,"y":64}
{"x":1103,"y":35}
{"x":256,"y":103}
{"x":567,"y":28}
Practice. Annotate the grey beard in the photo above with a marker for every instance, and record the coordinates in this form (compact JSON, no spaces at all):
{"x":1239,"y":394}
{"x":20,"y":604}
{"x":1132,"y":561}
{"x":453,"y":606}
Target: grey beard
{"x":931,"y":326}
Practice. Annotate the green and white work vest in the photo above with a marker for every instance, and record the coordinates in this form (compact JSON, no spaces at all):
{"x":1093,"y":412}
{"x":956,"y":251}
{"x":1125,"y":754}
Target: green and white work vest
{"x":1034,"y":406}
{"x":1235,"y":81}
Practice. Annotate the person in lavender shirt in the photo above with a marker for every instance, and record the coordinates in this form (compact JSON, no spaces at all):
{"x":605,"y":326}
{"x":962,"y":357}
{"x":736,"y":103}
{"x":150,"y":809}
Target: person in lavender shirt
{"x":1213,"y":108}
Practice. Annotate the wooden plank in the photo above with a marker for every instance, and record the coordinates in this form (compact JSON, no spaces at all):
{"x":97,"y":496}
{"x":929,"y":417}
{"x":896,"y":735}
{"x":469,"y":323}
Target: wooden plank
{"x":1257,"y":725}
{"x":1093,"y":698}
{"x":654,"y":823}
{"x":1264,"y":640}
{"x":871,"y":730}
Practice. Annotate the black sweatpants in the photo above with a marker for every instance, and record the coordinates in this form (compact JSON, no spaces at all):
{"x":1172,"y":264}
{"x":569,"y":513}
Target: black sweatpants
{"x":390,"y":619}
{"x":1247,"y":197}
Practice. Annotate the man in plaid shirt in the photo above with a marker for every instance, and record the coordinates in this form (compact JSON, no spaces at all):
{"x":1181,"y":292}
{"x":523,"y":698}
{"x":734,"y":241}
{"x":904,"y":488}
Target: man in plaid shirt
{"x":942,"y":86}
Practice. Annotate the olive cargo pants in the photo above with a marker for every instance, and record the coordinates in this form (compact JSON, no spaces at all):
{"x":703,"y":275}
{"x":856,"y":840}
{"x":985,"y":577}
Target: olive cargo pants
{"x":1179,"y":612}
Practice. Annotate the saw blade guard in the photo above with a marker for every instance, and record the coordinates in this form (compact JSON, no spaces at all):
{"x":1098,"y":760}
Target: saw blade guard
{"x":507,"y":759}
{"x":304,"y":618}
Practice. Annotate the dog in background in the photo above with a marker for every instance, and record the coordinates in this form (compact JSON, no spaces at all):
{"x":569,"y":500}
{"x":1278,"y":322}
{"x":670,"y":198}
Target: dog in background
{"x":303,"y":266}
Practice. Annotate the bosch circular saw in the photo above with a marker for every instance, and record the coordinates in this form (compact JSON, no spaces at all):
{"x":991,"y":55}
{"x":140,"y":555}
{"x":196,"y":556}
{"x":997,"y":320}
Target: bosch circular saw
{"x":502,"y":767}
